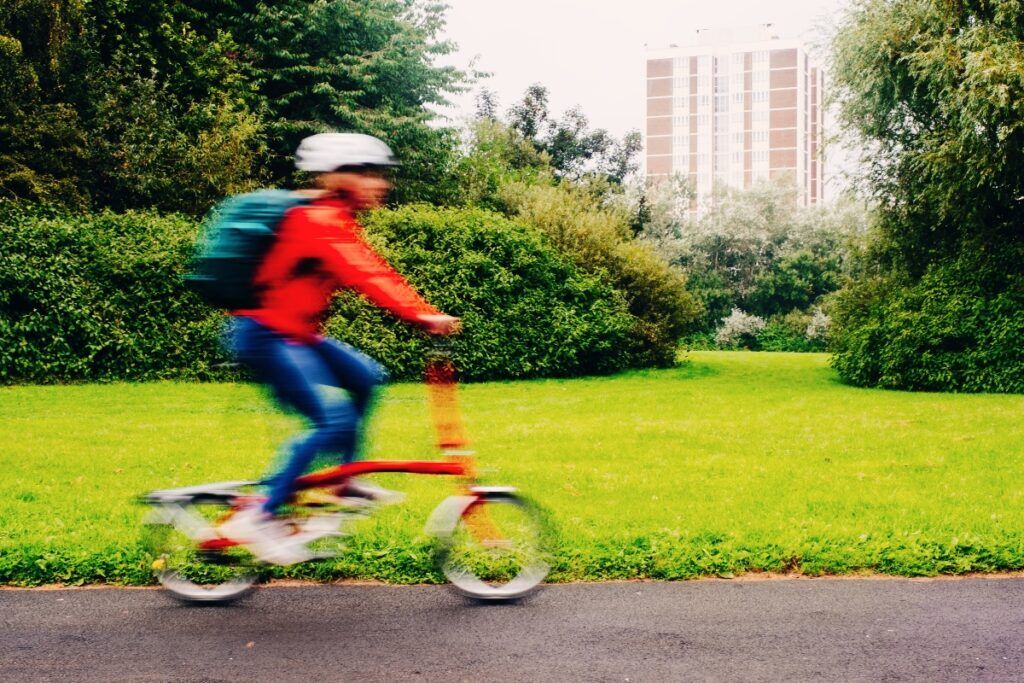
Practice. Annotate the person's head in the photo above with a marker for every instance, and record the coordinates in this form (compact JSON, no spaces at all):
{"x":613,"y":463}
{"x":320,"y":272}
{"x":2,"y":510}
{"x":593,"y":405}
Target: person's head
{"x":348,"y":164}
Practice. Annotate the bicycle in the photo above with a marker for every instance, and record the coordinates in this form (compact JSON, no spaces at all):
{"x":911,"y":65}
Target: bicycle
{"x":491,"y":543}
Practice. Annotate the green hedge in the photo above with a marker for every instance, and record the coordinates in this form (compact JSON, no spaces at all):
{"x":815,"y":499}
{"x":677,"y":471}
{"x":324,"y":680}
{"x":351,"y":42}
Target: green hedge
{"x":959,"y":328}
{"x":100,"y":298}
{"x":599,"y":241}
{"x":527,"y":311}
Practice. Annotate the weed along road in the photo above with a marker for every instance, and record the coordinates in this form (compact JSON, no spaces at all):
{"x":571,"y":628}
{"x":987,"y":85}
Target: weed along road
{"x":836,"y":629}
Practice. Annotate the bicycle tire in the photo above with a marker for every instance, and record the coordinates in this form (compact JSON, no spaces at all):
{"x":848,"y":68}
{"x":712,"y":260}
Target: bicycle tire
{"x":481,"y":566}
{"x":173,"y":532}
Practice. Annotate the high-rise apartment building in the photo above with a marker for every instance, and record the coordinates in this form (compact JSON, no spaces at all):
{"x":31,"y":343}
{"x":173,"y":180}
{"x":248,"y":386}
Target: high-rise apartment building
{"x":732,"y":109}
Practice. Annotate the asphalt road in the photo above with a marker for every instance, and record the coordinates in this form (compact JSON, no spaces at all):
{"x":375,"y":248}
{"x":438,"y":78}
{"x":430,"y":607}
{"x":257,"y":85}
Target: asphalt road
{"x":845,"y":630}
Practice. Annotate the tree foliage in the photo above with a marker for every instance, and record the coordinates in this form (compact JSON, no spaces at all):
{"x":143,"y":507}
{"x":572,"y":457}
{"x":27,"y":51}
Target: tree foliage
{"x":934,"y":94}
{"x":574,"y":149}
{"x":755,"y":250}
{"x":171,"y":105}
{"x":358,"y":65}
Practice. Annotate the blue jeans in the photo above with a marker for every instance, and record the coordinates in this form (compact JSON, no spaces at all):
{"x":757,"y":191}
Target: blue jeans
{"x":293,"y":371}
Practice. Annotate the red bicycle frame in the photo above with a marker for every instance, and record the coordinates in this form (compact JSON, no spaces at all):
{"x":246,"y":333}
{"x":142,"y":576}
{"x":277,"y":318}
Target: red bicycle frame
{"x":443,"y":399}
{"x":337,"y":475}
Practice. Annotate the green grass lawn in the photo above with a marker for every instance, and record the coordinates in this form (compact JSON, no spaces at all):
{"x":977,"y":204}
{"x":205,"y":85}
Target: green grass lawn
{"x":730,"y":463}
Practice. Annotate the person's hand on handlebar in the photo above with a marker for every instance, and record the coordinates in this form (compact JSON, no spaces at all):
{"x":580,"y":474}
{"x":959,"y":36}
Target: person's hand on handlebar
{"x":440,"y":324}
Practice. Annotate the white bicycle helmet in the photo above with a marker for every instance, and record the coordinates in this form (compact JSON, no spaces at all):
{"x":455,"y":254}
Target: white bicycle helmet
{"x":326,"y":152}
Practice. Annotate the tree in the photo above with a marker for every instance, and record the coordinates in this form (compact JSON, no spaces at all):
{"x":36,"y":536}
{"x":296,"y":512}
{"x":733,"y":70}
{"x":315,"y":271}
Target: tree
{"x":487,"y":105}
{"x":353,"y":65}
{"x":756,"y":249}
{"x":530,"y":115}
{"x":172,"y":104}
{"x":575,"y":150}
{"x":496,"y":155}
{"x":934,"y":94}
{"x":41,"y":144}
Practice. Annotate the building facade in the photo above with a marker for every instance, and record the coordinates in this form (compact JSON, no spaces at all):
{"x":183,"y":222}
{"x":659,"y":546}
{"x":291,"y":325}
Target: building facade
{"x":728,"y":112}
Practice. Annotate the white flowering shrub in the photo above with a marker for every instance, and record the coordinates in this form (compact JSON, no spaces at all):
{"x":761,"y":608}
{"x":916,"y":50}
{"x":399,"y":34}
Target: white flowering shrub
{"x":739,"y":328}
{"x":817,"y":328}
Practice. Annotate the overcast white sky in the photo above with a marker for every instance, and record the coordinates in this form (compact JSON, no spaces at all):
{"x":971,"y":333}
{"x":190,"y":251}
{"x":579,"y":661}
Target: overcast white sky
{"x":591,"y":53}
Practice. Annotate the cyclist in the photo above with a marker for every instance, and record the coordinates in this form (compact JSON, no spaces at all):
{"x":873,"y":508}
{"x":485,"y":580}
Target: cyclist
{"x":319,"y":249}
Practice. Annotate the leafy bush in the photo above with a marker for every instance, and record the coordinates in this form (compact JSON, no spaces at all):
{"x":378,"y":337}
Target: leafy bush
{"x":796,"y":331}
{"x":790,"y":333}
{"x":957,"y":328}
{"x":739,"y":329}
{"x":599,"y":240}
{"x":100,"y":298}
{"x":818,"y":327}
{"x":527,"y":311}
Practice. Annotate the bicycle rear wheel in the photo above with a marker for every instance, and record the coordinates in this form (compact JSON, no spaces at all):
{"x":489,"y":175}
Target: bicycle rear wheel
{"x":493,"y":545}
{"x":186,"y":557}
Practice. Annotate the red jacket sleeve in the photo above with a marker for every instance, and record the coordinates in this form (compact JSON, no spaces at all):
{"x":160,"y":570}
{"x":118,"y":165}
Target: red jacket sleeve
{"x":331,"y":235}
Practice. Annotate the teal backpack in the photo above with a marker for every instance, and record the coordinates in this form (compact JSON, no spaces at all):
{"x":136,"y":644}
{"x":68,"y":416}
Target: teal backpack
{"x":238,"y":233}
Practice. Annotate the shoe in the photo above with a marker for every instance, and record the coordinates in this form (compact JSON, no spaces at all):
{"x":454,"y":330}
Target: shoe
{"x":266,"y":537}
{"x":322,"y":525}
{"x":360,"y":488}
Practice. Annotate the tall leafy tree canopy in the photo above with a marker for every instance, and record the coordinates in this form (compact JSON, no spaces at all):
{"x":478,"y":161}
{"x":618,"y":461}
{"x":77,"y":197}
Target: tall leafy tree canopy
{"x":171,"y":104}
{"x":933,"y":91}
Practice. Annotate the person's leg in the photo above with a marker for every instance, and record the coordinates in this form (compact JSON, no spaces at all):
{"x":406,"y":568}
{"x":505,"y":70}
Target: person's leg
{"x":292,"y":372}
{"x":359,"y":375}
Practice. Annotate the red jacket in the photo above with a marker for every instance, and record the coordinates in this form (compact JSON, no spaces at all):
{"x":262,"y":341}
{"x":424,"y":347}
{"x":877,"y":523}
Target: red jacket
{"x":320,"y":249}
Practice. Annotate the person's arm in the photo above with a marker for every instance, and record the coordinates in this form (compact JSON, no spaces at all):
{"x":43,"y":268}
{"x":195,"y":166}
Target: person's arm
{"x":355,"y":264}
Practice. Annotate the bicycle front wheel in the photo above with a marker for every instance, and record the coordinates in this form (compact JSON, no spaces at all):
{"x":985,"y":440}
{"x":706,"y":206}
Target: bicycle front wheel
{"x":493,"y":544}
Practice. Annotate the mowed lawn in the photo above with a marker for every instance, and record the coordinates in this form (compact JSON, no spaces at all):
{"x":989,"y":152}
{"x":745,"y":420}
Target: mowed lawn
{"x":730,"y":463}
